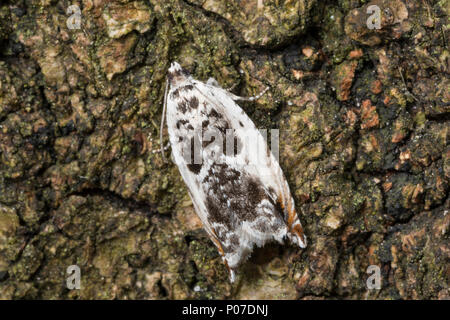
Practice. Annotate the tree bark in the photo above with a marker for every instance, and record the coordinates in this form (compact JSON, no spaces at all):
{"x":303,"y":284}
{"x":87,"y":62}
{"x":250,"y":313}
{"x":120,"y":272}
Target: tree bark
{"x":361,"y":102}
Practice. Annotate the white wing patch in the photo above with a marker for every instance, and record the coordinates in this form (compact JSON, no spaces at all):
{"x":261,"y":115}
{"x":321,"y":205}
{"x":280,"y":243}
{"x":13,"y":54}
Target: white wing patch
{"x":236,"y":185}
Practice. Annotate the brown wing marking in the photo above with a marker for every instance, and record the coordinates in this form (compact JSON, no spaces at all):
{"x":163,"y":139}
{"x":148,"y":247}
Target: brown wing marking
{"x":292,"y":215}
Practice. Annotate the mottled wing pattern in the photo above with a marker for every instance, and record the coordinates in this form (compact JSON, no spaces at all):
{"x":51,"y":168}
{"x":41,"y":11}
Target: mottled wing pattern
{"x":241,"y":202}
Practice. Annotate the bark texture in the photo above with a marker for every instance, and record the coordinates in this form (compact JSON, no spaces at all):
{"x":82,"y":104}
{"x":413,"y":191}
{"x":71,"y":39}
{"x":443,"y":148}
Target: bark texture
{"x":364,"y":122}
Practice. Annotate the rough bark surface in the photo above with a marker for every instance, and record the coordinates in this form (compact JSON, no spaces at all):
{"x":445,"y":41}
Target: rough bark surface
{"x":364,"y":123}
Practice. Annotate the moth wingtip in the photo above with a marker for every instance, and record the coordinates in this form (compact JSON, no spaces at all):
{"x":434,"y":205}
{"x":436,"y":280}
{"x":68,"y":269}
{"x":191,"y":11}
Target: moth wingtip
{"x":303,"y":242}
{"x":298,"y":237}
{"x":232,"y":276}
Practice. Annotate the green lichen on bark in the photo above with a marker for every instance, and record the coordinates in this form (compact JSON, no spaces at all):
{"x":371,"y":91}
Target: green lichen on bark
{"x":364,"y":122}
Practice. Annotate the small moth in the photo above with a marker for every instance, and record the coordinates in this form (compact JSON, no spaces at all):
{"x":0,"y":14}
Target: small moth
{"x":239,"y":193}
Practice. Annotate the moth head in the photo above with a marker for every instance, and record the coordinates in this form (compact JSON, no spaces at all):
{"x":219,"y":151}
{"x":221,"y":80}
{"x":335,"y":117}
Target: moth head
{"x":177,"y":74}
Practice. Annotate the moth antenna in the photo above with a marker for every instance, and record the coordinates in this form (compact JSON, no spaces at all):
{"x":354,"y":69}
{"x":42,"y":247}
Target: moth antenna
{"x":162,"y":120}
{"x":235,"y":97}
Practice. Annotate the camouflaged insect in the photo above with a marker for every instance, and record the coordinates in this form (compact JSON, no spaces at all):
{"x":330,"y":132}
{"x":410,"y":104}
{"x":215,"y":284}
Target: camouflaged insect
{"x":242,"y":199}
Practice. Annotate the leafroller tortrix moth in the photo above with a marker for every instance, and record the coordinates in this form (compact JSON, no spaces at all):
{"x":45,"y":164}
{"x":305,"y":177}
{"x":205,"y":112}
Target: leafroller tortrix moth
{"x":240,"y":195}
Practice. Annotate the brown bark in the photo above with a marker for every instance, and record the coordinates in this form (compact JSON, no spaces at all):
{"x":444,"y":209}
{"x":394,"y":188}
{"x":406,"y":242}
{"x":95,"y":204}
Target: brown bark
{"x":364,"y":122}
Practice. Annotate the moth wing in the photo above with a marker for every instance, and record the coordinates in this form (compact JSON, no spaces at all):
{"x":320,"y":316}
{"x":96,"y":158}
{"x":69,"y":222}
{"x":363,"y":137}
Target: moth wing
{"x":192,"y":181}
{"x":262,"y":163}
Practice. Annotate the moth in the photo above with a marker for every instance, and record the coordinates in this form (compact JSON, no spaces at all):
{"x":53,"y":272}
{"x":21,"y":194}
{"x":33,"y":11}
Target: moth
{"x":240,"y":195}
